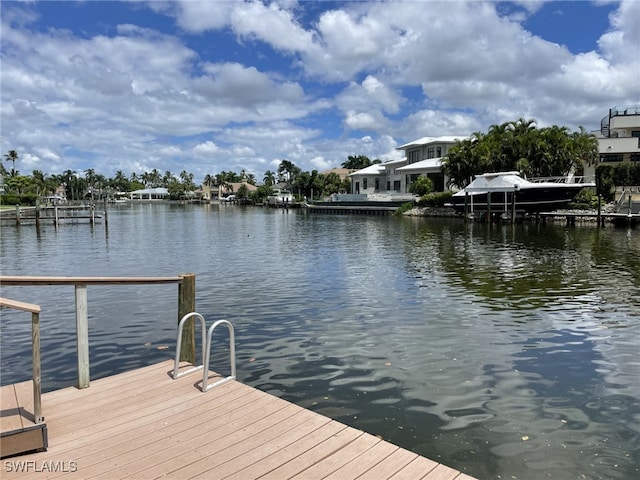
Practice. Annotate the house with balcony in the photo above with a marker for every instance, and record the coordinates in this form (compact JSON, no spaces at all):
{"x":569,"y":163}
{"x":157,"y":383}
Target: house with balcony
{"x":619,"y":135}
{"x":618,"y":143}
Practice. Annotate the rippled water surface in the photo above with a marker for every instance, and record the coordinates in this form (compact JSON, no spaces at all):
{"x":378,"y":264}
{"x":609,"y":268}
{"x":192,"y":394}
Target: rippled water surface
{"x":502,"y":352}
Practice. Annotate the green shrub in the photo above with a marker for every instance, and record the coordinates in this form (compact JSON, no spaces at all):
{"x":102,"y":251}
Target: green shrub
{"x":437,"y":199}
{"x":29,"y":199}
{"x":586,"y":199}
{"x":405,"y":207}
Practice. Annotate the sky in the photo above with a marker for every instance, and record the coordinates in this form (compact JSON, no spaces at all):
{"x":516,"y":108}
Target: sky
{"x":212,"y":86}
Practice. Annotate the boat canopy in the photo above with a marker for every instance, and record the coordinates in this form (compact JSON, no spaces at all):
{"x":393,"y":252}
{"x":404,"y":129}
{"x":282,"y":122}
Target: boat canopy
{"x":496,"y":182}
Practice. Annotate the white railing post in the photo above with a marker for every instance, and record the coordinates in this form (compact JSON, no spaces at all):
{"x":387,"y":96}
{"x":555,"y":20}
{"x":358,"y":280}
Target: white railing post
{"x":82,"y":335}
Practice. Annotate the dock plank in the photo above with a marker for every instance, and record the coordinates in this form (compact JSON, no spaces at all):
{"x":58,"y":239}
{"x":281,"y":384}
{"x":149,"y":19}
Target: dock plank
{"x":145,"y":425}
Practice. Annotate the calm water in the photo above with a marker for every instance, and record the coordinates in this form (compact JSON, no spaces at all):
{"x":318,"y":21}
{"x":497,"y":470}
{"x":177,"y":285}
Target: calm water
{"x":502,"y":352}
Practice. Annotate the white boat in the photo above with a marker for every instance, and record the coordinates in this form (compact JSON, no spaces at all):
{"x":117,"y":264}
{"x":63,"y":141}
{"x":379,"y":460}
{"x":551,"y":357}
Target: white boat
{"x":499,"y":191}
{"x":280,"y":197}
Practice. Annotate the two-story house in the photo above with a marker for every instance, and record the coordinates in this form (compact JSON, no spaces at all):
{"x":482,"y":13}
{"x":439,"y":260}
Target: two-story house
{"x":619,"y":136}
{"x":422,"y":157}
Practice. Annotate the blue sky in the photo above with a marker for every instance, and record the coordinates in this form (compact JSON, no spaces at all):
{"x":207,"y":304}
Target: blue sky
{"x":211,"y":86}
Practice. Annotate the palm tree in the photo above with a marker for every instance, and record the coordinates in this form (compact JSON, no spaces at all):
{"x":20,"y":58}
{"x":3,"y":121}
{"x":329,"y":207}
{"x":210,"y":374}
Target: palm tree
{"x":269,"y":178}
{"x":287,"y":171}
{"x":585,"y":147}
{"x":12,"y":156}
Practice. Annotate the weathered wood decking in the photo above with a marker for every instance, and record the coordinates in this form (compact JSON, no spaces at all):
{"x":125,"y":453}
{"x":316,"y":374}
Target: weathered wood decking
{"x":143,"y":424}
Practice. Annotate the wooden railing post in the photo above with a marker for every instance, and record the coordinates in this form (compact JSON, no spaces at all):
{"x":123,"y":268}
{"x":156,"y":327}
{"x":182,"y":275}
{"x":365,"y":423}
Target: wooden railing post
{"x":37,"y":386}
{"x":82,"y":335}
{"x":187,"y":304}
{"x":35,"y":351}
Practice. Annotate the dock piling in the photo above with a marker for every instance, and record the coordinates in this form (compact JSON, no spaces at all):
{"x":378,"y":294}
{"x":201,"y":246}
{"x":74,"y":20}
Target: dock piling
{"x":82,"y":335}
{"x":186,"y":305}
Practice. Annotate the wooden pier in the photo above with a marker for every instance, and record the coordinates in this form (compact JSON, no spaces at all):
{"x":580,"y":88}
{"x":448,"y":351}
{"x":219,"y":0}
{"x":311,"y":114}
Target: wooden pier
{"x":55,"y":214}
{"x":143,"y":424}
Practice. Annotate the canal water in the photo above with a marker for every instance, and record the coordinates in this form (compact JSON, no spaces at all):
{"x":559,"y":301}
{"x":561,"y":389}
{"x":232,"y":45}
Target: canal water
{"x":504,"y":352}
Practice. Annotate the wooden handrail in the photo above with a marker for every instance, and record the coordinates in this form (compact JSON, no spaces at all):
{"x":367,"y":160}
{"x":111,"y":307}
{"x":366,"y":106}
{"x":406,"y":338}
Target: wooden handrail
{"x":186,"y":303}
{"x":16,"y":305}
{"x":12,"y":280}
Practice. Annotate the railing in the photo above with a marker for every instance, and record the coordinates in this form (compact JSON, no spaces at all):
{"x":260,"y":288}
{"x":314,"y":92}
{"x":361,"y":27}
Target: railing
{"x":186,"y":303}
{"x":35,"y":351}
{"x":206,"y":351}
{"x":587,"y":180}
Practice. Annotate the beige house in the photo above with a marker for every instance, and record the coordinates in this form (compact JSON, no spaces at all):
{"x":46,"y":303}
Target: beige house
{"x":216,"y":192}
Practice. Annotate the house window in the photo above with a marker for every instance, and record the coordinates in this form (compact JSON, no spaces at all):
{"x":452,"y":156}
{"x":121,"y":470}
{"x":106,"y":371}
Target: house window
{"x":431,"y":152}
{"x":377,"y":184}
{"x":611,"y":157}
{"x":388,"y":185}
{"x":635,"y":157}
{"x":396,"y":185}
{"x":414,"y":156}
{"x":438,"y":152}
{"x":364,"y":183}
{"x":437,"y":181}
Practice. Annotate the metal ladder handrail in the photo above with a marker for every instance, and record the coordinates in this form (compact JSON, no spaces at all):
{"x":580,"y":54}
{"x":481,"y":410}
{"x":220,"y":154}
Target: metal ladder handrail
{"x":176,"y":369}
{"x":206,"y":351}
{"x":207,"y":356}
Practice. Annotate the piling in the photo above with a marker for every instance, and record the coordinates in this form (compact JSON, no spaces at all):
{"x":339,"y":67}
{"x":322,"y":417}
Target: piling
{"x":106,"y":220}
{"x":187,"y":304}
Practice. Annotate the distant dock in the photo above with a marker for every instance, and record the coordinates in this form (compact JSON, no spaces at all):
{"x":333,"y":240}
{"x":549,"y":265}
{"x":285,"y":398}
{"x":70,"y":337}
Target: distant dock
{"x":55,"y":214}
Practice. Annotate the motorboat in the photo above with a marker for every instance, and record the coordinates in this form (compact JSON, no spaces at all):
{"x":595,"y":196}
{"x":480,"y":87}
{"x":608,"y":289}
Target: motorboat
{"x":502,"y":191}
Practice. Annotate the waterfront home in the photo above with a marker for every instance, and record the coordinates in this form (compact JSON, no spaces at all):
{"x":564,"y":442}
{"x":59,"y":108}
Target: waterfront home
{"x":619,"y":135}
{"x":218,"y":192}
{"x":422,"y":157}
{"x":158,"y":193}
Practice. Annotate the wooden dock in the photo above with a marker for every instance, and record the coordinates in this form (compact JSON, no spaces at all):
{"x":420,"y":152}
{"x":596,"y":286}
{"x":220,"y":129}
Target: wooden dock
{"x":19,"y":430}
{"x":143,"y":424}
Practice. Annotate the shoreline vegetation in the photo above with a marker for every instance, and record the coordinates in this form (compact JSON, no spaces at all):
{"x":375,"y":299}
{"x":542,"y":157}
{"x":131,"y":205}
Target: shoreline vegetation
{"x":560,"y":216}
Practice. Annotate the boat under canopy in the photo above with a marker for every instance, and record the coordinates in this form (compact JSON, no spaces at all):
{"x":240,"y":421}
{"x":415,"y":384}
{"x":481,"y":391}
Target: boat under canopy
{"x":502,"y":191}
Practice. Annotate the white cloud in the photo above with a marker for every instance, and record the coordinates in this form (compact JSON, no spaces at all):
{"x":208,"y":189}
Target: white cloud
{"x":291,"y":82}
{"x":205,"y":149}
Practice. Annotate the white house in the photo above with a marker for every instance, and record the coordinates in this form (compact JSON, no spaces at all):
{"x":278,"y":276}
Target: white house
{"x":619,"y":136}
{"x":423,"y":157}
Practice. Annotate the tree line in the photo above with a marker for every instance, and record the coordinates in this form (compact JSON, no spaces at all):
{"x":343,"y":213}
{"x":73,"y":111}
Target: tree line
{"x":89,"y":184}
{"x":521,"y":146}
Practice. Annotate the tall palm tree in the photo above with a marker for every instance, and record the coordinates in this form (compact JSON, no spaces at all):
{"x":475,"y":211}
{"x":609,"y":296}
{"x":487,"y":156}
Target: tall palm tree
{"x":269,"y":178}
{"x":12,"y":156}
{"x":585,"y":147}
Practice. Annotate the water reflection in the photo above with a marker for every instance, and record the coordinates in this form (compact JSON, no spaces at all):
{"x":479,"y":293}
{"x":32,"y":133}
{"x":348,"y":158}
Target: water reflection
{"x":503,"y":352}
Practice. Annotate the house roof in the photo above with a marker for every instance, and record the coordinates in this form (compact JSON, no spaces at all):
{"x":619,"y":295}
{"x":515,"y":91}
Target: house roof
{"x":428,"y":140}
{"x":370,"y":170}
{"x":341,"y":172}
{"x":152,"y":191}
{"x":428,"y":164}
